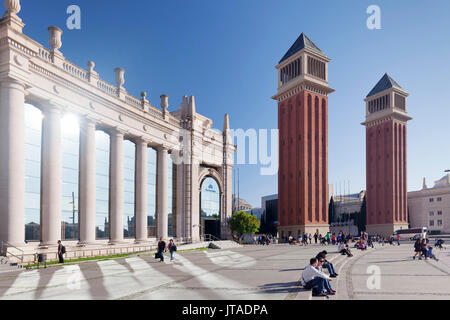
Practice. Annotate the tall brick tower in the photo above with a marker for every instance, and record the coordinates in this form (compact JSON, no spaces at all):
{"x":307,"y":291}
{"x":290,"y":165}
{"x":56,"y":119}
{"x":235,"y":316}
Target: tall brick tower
{"x":386,"y":120}
{"x":303,"y":146}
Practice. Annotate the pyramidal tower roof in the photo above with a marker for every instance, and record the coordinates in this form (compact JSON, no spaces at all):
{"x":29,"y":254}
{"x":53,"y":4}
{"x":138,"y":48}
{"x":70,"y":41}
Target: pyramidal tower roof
{"x":385,"y":83}
{"x":301,"y":43}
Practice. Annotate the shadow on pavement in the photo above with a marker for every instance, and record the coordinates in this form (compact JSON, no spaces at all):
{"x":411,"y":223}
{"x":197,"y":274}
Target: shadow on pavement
{"x":285,"y":270}
{"x":286,"y":287}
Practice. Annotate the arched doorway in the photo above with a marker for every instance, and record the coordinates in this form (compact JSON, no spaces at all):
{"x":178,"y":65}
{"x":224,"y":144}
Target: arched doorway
{"x":210,"y":206}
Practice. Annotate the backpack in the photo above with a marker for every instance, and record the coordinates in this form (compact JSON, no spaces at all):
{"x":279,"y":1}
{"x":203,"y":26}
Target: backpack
{"x":63,"y":250}
{"x":174,"y":248}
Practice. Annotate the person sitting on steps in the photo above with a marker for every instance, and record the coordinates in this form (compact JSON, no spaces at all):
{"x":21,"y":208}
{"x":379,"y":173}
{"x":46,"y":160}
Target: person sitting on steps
{"x":315,"y":279}
{"x":328,"y":265}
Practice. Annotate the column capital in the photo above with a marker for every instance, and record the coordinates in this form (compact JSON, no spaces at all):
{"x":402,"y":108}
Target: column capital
{"x":8,"y":81}
{"x":142,"y":140}
{"x":118,"y":131}
{"x":50,"y":106}
{"x":163,"y":148}
{"x":89,"y":120}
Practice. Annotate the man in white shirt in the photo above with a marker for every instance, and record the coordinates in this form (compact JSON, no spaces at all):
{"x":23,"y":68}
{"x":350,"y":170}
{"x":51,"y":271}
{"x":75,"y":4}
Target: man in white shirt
{"x":313,"y":276}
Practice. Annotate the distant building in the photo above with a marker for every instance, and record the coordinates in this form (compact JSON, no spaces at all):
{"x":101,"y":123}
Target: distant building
{"x":347,"y":205}
{"x":430,"y":207}
{"x":241,"y":204}
{"x":255,"y":212}
{"x":346,"y":213}
{"x":269,"y":214}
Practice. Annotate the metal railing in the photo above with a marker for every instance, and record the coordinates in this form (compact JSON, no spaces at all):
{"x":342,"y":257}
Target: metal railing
{"x":4,"y":251}
{"x":209,"y":237}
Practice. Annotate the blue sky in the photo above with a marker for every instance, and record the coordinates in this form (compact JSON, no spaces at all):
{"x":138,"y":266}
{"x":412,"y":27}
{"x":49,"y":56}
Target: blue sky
{"x":224,"y":53}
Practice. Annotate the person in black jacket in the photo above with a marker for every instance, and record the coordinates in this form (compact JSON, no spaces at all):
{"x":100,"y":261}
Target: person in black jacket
{"x":161,"y":249}
{"x":61,"y":252}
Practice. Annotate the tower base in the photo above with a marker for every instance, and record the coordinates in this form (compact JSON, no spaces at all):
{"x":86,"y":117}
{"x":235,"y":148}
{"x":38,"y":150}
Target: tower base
{"x":385,"y":230}
{"x":321,"y":229}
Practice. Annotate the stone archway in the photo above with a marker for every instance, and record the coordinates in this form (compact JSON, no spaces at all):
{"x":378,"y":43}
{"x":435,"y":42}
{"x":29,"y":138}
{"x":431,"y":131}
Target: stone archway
{"x":211,"y":208}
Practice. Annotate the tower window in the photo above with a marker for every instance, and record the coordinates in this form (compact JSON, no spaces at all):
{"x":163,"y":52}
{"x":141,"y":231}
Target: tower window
{"x":291,"y":71}
{"x":316,"y":68}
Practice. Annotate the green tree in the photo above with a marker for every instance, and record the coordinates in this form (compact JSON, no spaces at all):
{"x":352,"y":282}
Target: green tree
{"x":362,"y":218}
{"x":331,"y":211}
{"x":242,"y":223}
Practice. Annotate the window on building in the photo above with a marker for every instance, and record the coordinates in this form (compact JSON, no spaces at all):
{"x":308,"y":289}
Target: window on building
{"x":439,"y":199}
{"x":439,"y":223}
{"x":431,"y":214}
{"x":439,"y":213}
{"x":431,"y":223}
{"x":431,"y":199}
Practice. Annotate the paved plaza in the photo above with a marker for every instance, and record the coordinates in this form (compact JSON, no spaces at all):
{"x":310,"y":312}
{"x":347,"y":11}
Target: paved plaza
{"x":247,"y":273}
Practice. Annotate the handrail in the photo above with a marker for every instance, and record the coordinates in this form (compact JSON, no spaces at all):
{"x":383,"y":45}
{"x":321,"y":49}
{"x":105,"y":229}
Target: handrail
{"x":6,"y":245}
{"x":210,"y":237}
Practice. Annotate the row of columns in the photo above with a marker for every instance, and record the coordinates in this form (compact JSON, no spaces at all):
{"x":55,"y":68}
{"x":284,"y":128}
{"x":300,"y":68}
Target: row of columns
{"x":12,"y":176}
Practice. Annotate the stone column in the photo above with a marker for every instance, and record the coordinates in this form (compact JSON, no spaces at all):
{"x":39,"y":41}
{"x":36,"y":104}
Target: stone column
{"x":51,"y":176}
{"x":116,"y":187}
{"x":162,"y":186}
{"x":141,"y":190}
{"x":12,"y":162}
{"x":87,"y":185}
{"x":177,"y":162}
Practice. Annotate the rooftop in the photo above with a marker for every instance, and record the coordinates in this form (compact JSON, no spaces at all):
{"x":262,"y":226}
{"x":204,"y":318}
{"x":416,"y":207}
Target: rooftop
{"x":301,"y":43}
{"x":385,"y":83}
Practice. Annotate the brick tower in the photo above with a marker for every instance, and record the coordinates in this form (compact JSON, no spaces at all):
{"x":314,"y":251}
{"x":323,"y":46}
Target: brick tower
{"x":303,"y":146}
{"x":386,"y":120}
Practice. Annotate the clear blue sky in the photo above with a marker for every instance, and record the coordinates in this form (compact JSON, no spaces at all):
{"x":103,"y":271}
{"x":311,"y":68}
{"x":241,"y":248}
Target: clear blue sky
{"x":224,"y":53}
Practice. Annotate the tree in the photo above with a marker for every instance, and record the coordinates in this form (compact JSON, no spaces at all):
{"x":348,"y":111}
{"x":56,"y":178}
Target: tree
{"x":242,"y":223}
{"x":362,"y":218}
{"x":331,"y":211}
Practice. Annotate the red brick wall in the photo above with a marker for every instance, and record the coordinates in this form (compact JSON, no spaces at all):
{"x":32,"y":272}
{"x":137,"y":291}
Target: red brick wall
{"x":386,"y":173}
{"x":303,"y":159}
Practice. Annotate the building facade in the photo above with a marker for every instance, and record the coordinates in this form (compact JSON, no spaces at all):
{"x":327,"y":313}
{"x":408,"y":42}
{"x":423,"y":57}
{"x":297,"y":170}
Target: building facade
{"x":386,"y":122}
{"x":346,"y":213}
{"x":83,"y":160}
{"x":430,"y":207}
{"x":303,"y":139}
{"x":269,"y":215}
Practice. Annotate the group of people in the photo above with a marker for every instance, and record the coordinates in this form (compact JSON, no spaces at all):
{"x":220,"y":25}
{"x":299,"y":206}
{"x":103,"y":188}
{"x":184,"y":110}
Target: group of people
{"x":316,"y":279}
{"x":264,"y":240}
{"x":423,"y":250}
{"x":162,"y":247}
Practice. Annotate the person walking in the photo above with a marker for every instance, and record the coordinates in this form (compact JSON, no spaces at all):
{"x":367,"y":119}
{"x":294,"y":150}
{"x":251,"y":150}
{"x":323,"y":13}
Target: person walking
{"x":161,"y":249}
{"x":398,"y":239}
{"x":316,"y":236}
{"x":172,"y":248}
{"x":310,"y":238}
{"x":61,"y":251}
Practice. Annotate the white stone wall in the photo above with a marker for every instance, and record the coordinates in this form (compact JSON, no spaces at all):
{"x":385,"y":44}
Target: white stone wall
{"x":419,"y":206}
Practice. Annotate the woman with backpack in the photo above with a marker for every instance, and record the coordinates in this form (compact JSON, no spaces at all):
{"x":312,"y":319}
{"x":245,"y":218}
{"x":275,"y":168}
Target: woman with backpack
{"x":417,"y":249}
{"x":61,"y":252}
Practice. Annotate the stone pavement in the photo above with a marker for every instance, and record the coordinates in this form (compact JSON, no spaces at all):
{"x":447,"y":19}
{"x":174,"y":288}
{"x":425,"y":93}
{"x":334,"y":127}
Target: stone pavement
{"x":248,"y":273}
